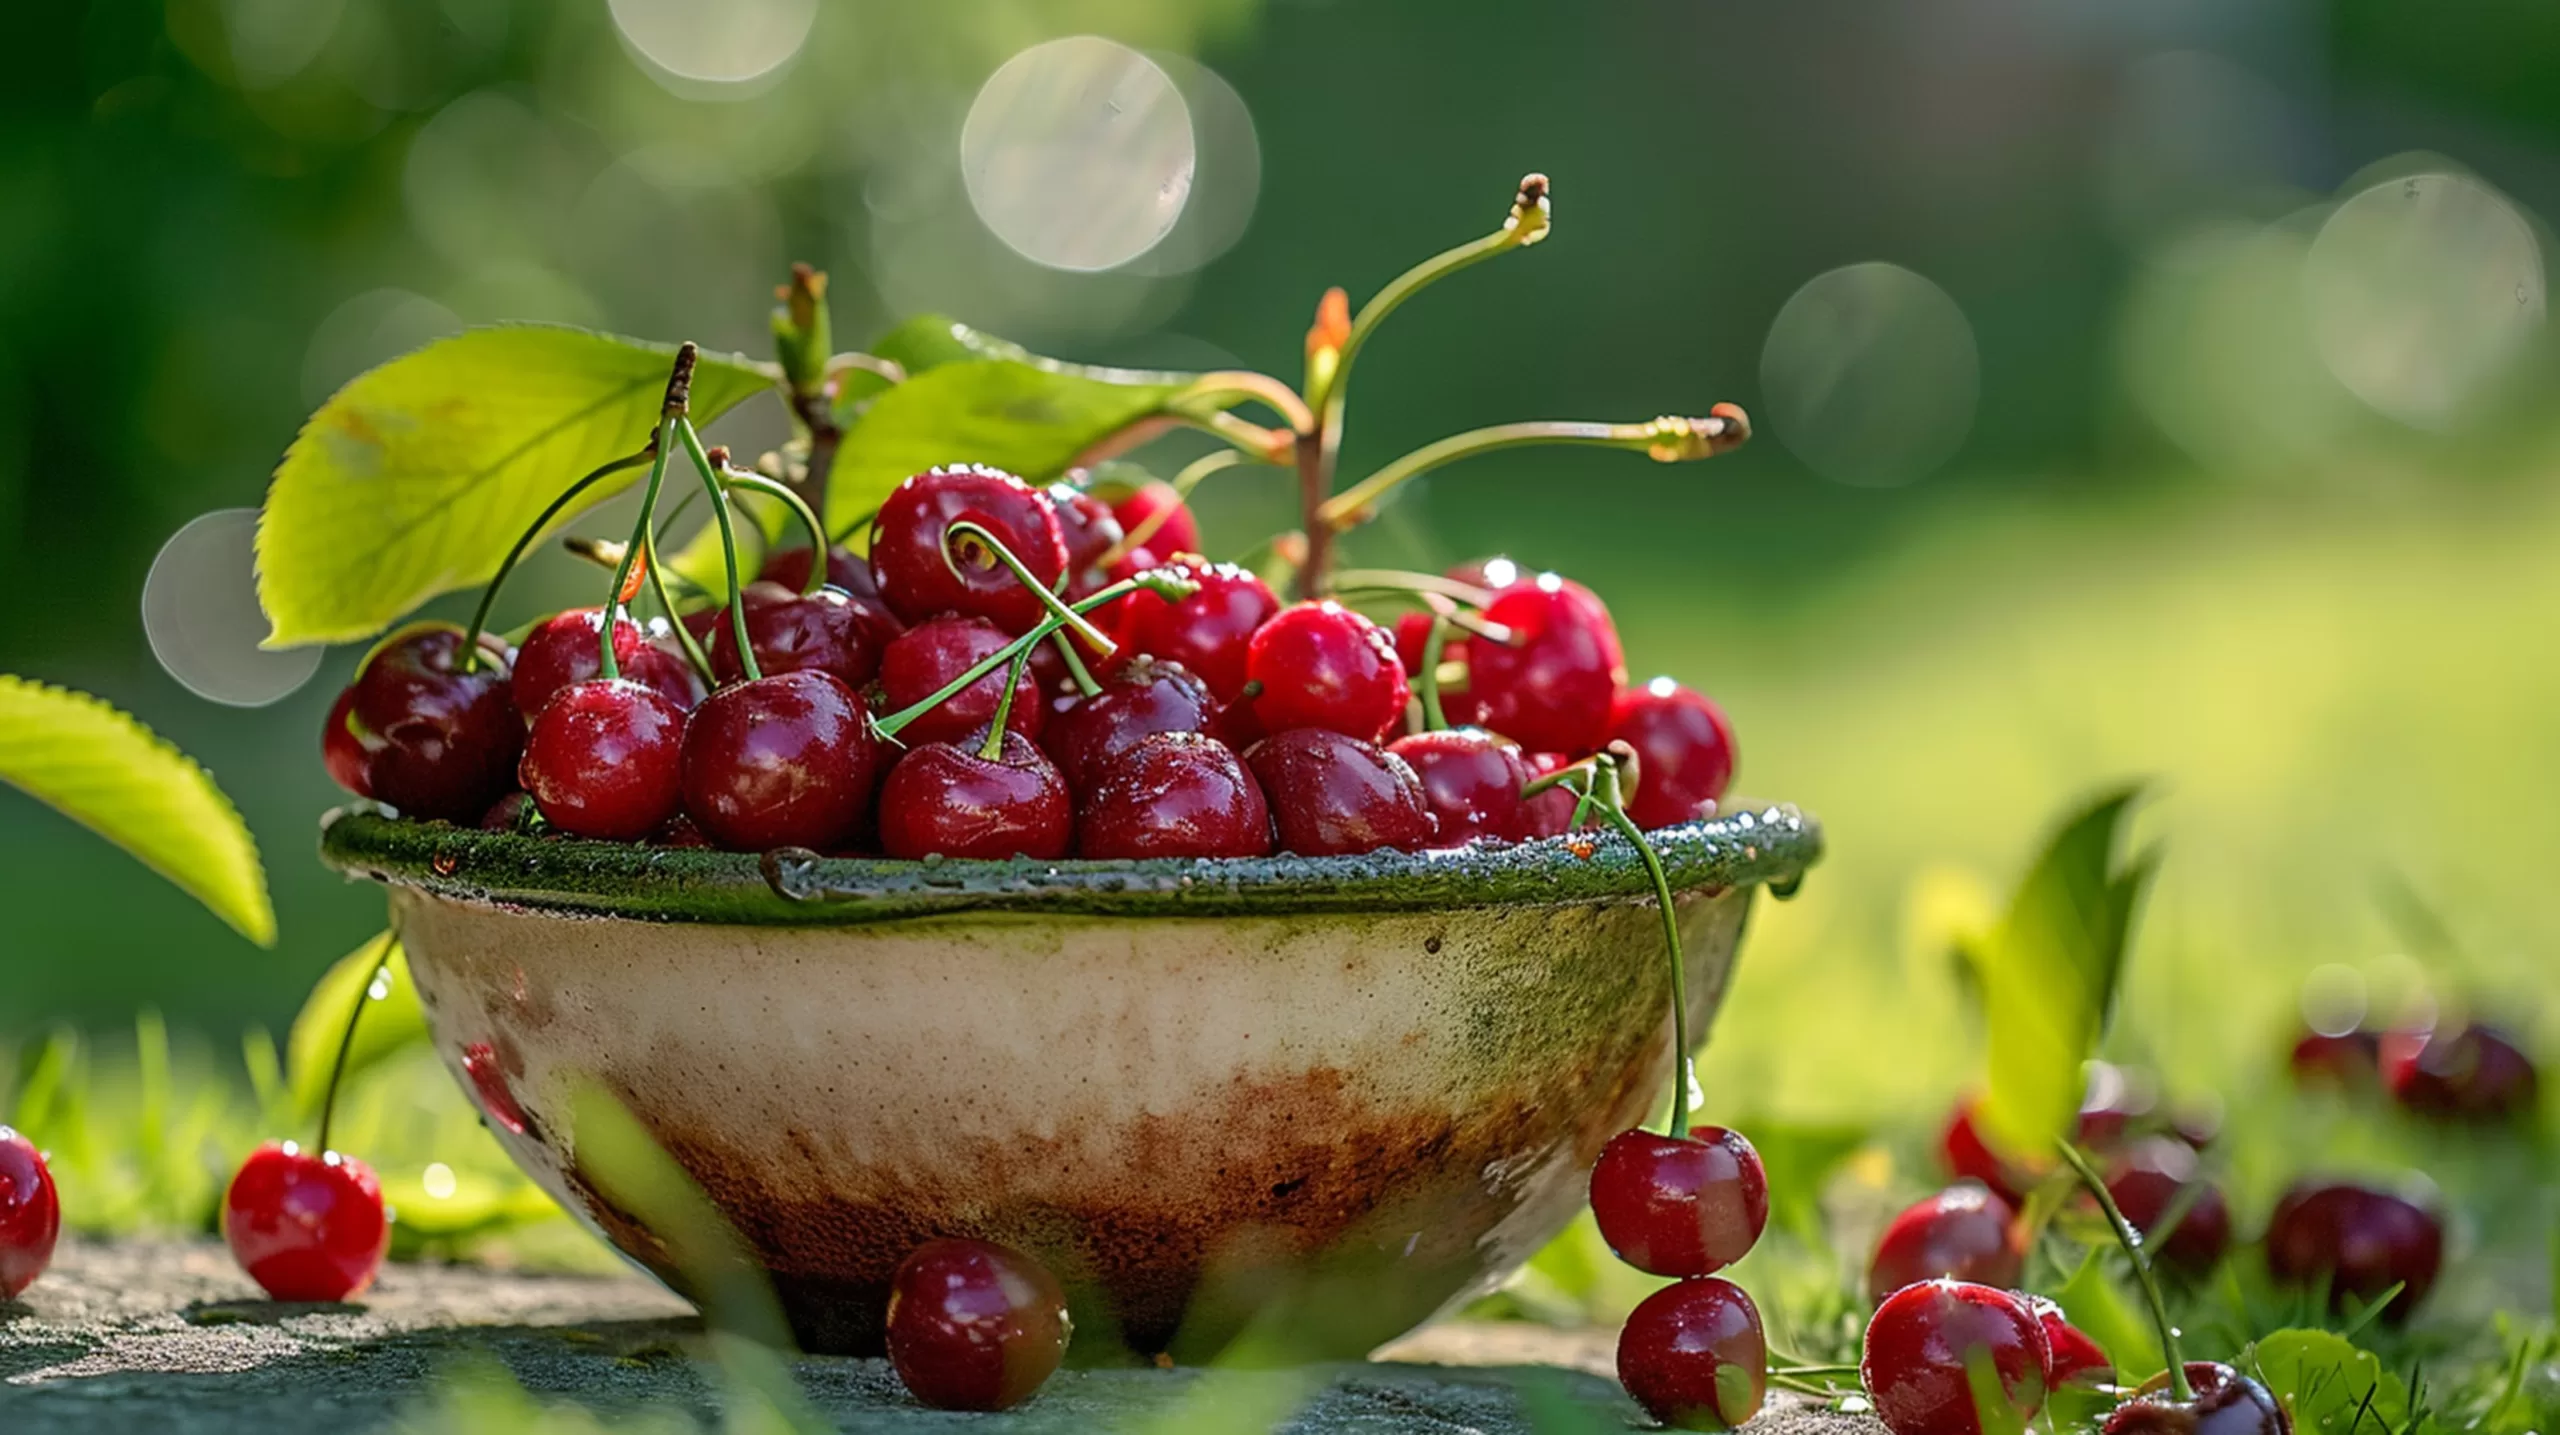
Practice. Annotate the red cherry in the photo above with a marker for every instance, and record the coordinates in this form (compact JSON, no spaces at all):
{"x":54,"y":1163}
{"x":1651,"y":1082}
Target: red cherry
{"x":1684,"y":751}
{"x":1471,"y":779}
{"x":1552,"y":686}
{"x":1089,"y":529}
{"x":1207,"y":632}
{"x":946,"y":799}
{"x":30,"y":1214}
{"x":1322,"y":665}
{"x":1920,"y":1341}
{"x":606,"y":759}
{"x":1964,"y":1232}
{"x":2109,"y":1108}
{"x":975,"y":1326}
{"x":1551,"y":811}
{"x":1413,"y":636}
{"x":1970,"y":1158}
{"x":306,"y":1227}
{"x":1694,"y":1356}
{"x":1178,"y":533}
{"x":1137,"y":701}
{"x":789,"y":567}
{"x":1672,"y":1206}
{"x":2347,"y":1060}
{"x":2361,"y":1240}
{"x":829,"y":631}
{"x":341,"y":751}
{"x":918,"y":577}
{"x":1331,"y":794}
{"x":564,"y":649}
{"x":784,"y":761}
{"x":929,"y":656}
{"x":2145,"y":1182}
{"x":2226,"y":1403}
{"x":442,"y":741}
{"x":2469,"y":1074}
{"x":1175,"y":794}
{"x":2072,"y":1358}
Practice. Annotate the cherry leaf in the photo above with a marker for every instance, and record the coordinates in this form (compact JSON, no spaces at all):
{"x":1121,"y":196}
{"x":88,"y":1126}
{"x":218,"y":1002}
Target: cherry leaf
{"x":2329,"y":1385}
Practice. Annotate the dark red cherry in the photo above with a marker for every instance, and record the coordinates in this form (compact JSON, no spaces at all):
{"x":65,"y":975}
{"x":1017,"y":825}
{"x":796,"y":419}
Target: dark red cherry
{"x":919,"y":579}
{"x":2226,"y":1403}
{"x":1694,"y":1356}
{"x":2146,"y":1180}
{"x":1179,"y":532}
{"x":2362,"y":1241}
{"x":2109,"y":1108}
{"x":1137,"y":701}
{"x":1551,"y":688}
{"x":1089,"y":529}
{"x":564,"y":649}
{"x":1176,"y":794}
{"x":306,"y":1227}
{"x":1964,"y":1232}
{"x":1323,"y":665}
{"x":30,"y":1214}
{"x":1551,"y":811}
{"x":1969,"y":1157}
{"x":974,"y":1325}
{"x":1684,"y":751}
{"x":946,"y":799}
{"x":514,"y":812}
{"x":829,"y":631}
{"x":1471,"y":780}
{"x":1921,"y":1341}
{"x":442,"y":741}
{"x":784,"y":761}
{"x":1331,"y":794}
{"x":2470,"y":1073}
{"x":341,"y":751}
{"x":789,"y":567}
{"x":1671,"y":1206}
{"x":2071,"y":1357}
{"x":2349,"y":1060}
{"x":1413,"y":637}
{"x":930,"y":656}
{"x":606,"y":760}
{"x":1207,"y":632}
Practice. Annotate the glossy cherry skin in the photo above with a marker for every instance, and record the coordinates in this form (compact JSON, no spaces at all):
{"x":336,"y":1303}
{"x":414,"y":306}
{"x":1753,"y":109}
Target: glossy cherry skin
{"x":1964,"y":1232}
{"x":919,"y":580}
{"x":30,"y":1214}
{"x":442,"y":742}
{"x":1680,"y":1207}
{"x":1175,"y":794}
{"x":2226,"y":1403}
{"x":1137,"y":701}
{"x":829,"y":631}
{"x":1551,"y":811}
{"x":1413,"y":638}
{"x":2071,"y":1357}
{"x":606,"y":760}
{"x":946,"y":799}
{"x":1471,"y":780}
{"x":1179,"y":533}
{"x":785,"y":761}
{"x":564,"y":649}
{"x":306,"y":1227}
{"x":1684,"y":751}
{"x":1207,"y":632}
{"x":2362,"y":1240}
{"x":341,"y":751}
{"x":2472,"y":1073}
{"x":929,"y":656}
{"x":1323,"y":665}
{"x":975,"y":1326}
{"x":1089,"y":529}
{"x":2347,"y":1060}
{"x":1553,"y":687}
{"x":1919,"y":1341}
{"x":1694,"y":1356}
{"x":1331,"y":794}
{"x":789,"y":567}
{"x":2146,"y":1180}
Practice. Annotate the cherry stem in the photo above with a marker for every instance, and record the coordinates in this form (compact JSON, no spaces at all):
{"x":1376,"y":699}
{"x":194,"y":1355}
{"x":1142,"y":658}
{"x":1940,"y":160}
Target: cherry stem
{"x":1076,"y":669}
{"x":684,"y":636}
{"x":728,"y":544}
{"x":347,"y":1039}
{"x":1270,"y":392}
{"x":1250,"y":439}
{"x":611,"y":667}
{"x":992,"y":749}
{"x":1434,"y":717}
{"x":1058,"y":609}
{"x":1396,"y":580}
{"x":1182,"y":485}
{"x":733,"y":476}
{"x":1163,"y":582}
{"x":489,"y":595}
{"x":2131,"y":1240}
{"x":1525,"y":225}
{"x":1668,"y":440}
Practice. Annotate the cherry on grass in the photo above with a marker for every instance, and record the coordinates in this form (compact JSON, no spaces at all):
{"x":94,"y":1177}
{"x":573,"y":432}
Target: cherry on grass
{"x":975,"y":1326}
{"x":784,"y":761}
{"x":1965,"y":1232}
{"x":565,"y":648}
{"x":1331,"y":794}
{"x":1207,"y":632}
{"x":30,"y":1214}
{"x":1915,"y":1361}
{"x":829,"y":631}
{"x":1680,"y":1206}
{"x":1322,"y":665}
{"x":1175,"y":794}
{"x":1471,"y":780}
{"x":789,"y":568}
{"x":2469,"y":1073}
{"x":1179,"y":532}
{"x":952,"y":800}
{"x":2146,"y":1182}
{"x":920,"y":578}
{"x":2225,"y":1403}
{"x":2347,"y":1060}
{"x":305,"y":1226}
{"x":1552,"y":687}
{"x":2360,"y":1240}
{"x":1139,"y":699}
{"x":606,"y":759}
{"x":2071,"y":1357}
{"x":441,"y":742}
{"x":1693,"y":1355}
{"x":1684,"y":751}
{"x":929,"y":656}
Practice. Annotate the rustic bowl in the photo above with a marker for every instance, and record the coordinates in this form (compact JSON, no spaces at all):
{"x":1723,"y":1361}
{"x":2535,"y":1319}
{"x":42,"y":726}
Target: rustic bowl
{"x":1317,"y":1099}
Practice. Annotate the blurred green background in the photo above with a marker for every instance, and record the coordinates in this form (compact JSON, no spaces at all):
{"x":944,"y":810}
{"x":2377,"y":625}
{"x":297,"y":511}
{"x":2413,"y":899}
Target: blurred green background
{"x":2144,"y":390}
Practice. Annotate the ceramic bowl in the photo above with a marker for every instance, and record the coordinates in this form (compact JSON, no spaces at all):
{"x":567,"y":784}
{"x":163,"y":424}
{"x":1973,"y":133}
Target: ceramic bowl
{"x":1311,"y":1099}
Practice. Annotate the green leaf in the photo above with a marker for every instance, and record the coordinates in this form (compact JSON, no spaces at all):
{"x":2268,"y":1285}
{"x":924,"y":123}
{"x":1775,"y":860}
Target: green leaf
{"x":393,"y":1022}
{"x":416,"y":478}
{"x":2047,"y":975}
{"x":929,"y":341}
{"x":2093,"y":1301}
{"x":2330,"y":1386}
{"x":108,"y":772}
{"x":1798,"y":1158}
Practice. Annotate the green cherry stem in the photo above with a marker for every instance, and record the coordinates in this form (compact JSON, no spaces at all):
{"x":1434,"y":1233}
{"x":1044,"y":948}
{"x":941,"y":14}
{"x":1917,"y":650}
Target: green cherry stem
{"x":1182,"y":483}
{"x":1262,"y":388}
{"x":735,"y":477}
{"x":1669,"y":439}
{"x":1076,"y":670}
{"x":1525,"y":225}
{"x":1434,"y":717}
{"x":728,"y":543}
{"x":1397,"y":580}
{"x":992,"y":750}
{"x":1058,"y":609}
{"x":347,"y":1038}
{"x":684,"y":636}
{"x":611,"y":667}
{"x":1163,"y":582}
{"x":515,"y":555}
{"x":854,"y":525}
{"x":2131,"y":1239}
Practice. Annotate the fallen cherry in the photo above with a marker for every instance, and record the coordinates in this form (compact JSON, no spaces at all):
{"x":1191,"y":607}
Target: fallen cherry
{"x":605,"y":760}
{"x":2147,"y":1181}
{"x":975,"y":1326}
{"x":1680,"y":1206}
{"x":2471,"y":1073}
{"x":1472,"y":781}
{"x":1923,"y":1343}
{"x":1321,"y":665}
{"x":306,"y":1227}
{"x":30,"y":1214}
{"x":955,"y":800}
{"x":2071,"y":1357}
{"x":784,"y":761}
{"x":2225,"y":1403}
{"x":2360,"y":1241}
{"x":920,"y":578}
{"x":1176,"y":794}
{"x":1964,"y":1232}
{"x":1331,"y":794}
{"x":1694,"y":1356}
{"x":1684,"y":751}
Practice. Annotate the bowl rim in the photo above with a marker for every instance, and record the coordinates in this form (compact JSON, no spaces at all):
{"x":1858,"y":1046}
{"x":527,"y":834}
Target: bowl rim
{"x":1755,"y":845}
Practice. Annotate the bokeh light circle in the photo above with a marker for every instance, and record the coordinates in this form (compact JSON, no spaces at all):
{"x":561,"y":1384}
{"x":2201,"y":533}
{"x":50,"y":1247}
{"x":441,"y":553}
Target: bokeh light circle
{"x":1871,"y":375}
{"x":372,"y":328}
{"x":1079,"y":153}
{"x":200,"y":611}
{"x":2423,"y":291}
{"x":727,"y":43}
{"x":1226,"y":180}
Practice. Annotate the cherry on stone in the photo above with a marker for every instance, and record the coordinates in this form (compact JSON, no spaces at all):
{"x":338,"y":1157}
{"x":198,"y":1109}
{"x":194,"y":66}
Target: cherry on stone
{"x":1175,"y":794}
{"x":1472,"y":781}
{"x":1322,"y":665}
{"x":30,"y":1214}
{"x":974,"y":1326}
{"x":2362,"y":1241}
{"x":1207,"y":632}
{"x":1917,"y":1346}
{"x":1684,"y":751}
{"x":1089,"y":529}
{"x":1332,"y":795}
{"x":1552,"y":687}
{"x":2471,"y":1073}
{"x":606,"y":760}
{"x":829,"y":631}
{"x":2348,"y":1060}
{"x":2226,"y":1403}
{"x":1178,"y":533}
{"x":565,"y":648}
{"x":919,"y":578}
{"x":929,"y":656}
{"x":789,"y":568}
{"x":1965,"y":1232}
{"x":1413,"y":640}
{"x":2071,"y":1357}
{"x":306,"y":1227}
{"x":1138,"y":700}
{"x":441,"y":742}
{"x":2146,"y":1182}
{"x":1694,"y":1356}
{"x":341,"y":751}
{"x":951,"y":800}
{"x":1680,"y":1206}
{"x":784,"y":761}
